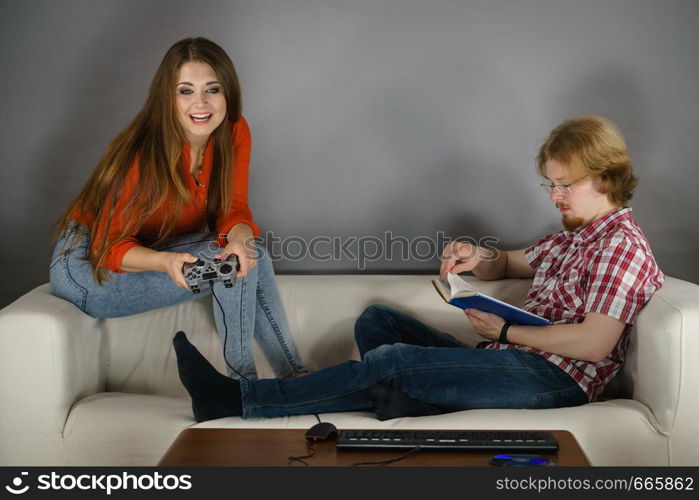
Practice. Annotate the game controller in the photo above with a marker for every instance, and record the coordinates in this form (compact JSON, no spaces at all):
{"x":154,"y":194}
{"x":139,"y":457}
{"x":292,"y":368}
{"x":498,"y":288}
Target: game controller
{"x":201,"y":271}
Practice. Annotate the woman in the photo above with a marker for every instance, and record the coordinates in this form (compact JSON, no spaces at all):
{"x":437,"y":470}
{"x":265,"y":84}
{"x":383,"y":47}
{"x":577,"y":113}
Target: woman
{"x":182,"y":164}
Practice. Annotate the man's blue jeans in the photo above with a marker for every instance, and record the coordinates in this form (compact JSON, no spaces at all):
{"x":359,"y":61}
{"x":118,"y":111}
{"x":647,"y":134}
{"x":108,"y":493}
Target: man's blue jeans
{"x":426,"y":365}
{"x":250,"y":310}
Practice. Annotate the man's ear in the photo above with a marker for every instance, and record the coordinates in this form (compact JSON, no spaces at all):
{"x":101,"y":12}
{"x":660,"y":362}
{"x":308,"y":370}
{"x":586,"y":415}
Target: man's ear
{"x":602,"y":185}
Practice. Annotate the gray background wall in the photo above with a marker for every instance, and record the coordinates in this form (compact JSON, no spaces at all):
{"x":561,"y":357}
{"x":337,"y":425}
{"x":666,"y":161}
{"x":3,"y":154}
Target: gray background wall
{"x":367,"y":116}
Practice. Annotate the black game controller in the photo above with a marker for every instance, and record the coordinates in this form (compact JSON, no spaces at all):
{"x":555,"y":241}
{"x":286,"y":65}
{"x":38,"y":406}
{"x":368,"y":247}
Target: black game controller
{"x":201,"y":271}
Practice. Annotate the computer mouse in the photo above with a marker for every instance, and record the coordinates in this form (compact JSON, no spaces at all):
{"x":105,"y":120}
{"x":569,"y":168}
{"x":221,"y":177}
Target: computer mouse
{"x":323,"y":431}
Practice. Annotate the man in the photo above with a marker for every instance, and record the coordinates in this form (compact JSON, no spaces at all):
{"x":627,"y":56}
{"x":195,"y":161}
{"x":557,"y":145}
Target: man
{"x":590,"y":280}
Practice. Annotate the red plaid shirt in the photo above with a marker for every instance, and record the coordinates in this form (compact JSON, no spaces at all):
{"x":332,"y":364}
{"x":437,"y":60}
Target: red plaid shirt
{"x":607,"y":268}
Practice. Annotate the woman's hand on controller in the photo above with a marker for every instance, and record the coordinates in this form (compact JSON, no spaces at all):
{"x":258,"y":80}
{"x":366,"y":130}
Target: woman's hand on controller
{"x":241,"y":243}
{"x":172,"y":264}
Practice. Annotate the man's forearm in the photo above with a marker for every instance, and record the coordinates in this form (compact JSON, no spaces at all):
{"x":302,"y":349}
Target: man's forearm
{"x":571,"y":340}
{"x":492,"y":265}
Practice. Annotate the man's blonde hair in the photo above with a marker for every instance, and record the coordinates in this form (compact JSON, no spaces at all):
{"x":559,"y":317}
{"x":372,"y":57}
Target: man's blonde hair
{"x":594,"y":146}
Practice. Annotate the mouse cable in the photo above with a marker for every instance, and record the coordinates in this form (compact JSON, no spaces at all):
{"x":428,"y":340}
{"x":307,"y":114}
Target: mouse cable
{"x":316,"y":415}
{"x":225,"y":326}
{"x":312,"y":451}
{"x":390,"y":460}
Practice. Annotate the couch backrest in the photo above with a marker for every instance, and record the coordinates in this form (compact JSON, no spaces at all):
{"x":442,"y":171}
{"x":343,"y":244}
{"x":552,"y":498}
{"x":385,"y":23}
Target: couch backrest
{"x":322,"y":310}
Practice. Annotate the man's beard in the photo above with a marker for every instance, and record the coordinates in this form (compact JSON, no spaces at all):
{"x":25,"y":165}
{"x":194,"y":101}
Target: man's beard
{"x":570,"y":223}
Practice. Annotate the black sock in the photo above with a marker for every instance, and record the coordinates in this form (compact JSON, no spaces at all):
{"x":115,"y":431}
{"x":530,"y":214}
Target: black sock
{"x":213,"y":394}
{"x":391,"y":403}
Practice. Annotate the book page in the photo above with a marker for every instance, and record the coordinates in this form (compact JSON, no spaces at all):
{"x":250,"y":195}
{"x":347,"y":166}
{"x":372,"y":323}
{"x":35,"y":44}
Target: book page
{"x":456,"y":285}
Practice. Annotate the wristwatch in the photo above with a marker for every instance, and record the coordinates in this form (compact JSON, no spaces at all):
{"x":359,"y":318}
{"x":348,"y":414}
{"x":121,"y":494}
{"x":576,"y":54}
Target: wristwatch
{"x":503,"y":333}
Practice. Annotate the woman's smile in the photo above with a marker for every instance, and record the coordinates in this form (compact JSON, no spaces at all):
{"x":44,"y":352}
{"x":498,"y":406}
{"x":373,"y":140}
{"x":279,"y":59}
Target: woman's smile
{"x":201,"y":118}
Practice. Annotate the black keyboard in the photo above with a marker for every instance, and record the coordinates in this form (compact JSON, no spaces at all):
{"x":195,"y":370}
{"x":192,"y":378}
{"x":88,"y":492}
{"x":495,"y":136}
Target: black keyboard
{"x":447,"y":440}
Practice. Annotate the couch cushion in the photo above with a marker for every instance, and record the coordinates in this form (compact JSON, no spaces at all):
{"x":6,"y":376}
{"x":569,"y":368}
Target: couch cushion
{"x":133,"y":429}
{"x":123,"y":429}
{"x":114,"y":428}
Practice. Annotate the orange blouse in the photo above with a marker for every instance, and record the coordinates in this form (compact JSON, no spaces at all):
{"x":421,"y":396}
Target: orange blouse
{"x":193,"y":215}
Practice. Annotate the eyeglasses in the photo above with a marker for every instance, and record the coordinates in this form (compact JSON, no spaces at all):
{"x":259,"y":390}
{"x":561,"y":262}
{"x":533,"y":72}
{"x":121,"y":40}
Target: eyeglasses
{"x":561,"y":188}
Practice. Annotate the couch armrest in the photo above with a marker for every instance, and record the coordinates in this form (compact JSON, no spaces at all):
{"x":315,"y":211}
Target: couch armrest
{"x":666,"y":366}
{"x":52,"y":355}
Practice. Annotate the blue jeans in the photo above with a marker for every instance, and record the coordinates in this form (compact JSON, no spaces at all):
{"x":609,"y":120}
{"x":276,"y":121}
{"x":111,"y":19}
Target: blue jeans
{"x":250,"y":310}
{"x":426,"y":365}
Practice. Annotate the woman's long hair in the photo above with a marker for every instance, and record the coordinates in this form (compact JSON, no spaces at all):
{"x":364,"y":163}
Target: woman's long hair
{"x":155,"y":140}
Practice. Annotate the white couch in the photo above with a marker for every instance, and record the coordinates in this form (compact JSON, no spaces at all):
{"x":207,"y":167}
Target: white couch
{"x":75,"y":390}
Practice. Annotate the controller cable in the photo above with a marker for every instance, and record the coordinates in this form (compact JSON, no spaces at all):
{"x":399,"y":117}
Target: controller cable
{"x":225,"y":327}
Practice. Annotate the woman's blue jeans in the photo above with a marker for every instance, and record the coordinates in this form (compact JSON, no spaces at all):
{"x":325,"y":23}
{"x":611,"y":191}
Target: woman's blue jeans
{"x":250,"y":310}
{"x":426,"y":365}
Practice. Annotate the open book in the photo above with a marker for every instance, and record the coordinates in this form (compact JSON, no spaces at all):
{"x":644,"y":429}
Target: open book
{"x":457,"y":292}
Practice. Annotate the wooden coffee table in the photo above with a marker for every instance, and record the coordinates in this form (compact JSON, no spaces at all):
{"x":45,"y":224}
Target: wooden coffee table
{"x":273,"y":447}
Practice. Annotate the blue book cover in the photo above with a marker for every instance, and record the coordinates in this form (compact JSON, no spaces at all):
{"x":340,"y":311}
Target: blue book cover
{"x":459,"y":294}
